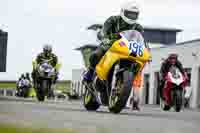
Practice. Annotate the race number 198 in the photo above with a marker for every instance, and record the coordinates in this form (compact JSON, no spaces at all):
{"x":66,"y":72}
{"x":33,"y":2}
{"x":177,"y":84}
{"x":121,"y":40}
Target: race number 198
{"x":136,"y":48}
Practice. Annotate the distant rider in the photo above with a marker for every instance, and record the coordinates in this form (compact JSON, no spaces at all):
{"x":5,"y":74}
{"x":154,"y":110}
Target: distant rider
{"x":46,"y":55}
{"x":165,"y":66}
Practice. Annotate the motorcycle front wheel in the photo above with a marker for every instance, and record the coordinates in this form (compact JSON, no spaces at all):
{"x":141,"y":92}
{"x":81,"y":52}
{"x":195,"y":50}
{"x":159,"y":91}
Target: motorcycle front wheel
{"x":40,"y":96}
{"x":41,"y":90}
{"x":178,"y":100}
{"x":164,"y":106}
{"x":123,"y":87}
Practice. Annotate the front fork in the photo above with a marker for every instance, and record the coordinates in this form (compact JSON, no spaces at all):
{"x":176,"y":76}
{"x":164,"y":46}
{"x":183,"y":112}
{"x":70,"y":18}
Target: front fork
{"x":114,"y":79}
{"x":96,"y":93}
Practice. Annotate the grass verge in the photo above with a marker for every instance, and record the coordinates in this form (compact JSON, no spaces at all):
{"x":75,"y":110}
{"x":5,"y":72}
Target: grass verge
{"x":4,"y":128}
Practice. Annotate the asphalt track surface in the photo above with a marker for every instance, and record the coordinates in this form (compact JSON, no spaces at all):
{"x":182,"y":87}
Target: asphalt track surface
{"x":71,"y":114}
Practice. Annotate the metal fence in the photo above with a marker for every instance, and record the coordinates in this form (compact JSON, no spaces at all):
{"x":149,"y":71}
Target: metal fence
{"x":77,"y":88}
{"x":7,"y":92}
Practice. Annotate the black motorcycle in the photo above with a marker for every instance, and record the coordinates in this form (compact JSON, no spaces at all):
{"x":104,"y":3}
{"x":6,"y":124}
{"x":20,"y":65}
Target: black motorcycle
{"x":46,"y":74}
{"x":23,"y":88}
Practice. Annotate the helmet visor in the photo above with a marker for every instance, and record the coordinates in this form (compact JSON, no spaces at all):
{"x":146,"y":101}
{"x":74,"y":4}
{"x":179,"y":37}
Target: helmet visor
{"x":173,"y":57}
{"x":131,"y":15}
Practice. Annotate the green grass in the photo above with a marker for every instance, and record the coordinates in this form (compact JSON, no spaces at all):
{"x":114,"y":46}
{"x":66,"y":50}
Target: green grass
{"x":4,"y":128}
{"x":8,"y":128}
{"x":7,"y":85}
{"x":63,"y":85}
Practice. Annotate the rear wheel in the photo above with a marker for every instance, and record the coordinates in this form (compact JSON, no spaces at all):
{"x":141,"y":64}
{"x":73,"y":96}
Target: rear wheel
{"x":118,"y":100}
{"x":89,"y":101}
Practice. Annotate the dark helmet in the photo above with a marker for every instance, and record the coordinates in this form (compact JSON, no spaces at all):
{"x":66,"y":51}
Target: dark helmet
{"x":22,"y":76}
{"x":172,"y":58}
{"x":47,"y":49}
{"x":27,"y":74}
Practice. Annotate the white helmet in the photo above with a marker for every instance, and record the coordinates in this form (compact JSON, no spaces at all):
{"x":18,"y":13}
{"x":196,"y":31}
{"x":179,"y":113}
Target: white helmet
{"x":130,"y":12}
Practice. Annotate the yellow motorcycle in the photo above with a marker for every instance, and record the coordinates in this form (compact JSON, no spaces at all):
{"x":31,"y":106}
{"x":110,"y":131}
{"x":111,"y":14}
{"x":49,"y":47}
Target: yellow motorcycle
{"x":115,"y":72}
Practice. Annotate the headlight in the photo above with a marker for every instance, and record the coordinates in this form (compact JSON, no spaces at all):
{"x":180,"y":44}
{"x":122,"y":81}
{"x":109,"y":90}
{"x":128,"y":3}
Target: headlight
{"x":47,"y":70}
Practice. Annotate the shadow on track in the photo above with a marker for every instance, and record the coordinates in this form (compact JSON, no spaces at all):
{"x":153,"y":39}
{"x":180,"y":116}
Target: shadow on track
{"x":161,"y":115}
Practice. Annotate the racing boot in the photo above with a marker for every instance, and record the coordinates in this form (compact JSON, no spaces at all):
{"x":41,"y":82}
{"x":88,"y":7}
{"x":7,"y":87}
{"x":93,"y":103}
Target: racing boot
{"x":135,"y":105}
{"x":88,"y":76}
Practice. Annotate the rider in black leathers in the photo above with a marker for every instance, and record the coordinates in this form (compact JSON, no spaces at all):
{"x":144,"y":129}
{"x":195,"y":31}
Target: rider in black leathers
{"x":113,"y":25}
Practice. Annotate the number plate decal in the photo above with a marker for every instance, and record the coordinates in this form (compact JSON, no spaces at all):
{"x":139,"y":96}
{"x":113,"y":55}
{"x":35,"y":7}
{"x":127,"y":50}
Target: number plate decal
{"x":136,"y":48}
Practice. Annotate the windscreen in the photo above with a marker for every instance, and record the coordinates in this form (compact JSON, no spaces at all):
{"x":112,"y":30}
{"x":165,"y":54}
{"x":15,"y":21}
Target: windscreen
{"x":133,"y":35}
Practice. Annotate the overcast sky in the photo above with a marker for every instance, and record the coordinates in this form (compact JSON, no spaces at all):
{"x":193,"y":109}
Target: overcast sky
{"x":31,"y":23}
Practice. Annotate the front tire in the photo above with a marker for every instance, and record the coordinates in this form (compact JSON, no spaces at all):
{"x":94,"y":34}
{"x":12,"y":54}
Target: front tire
{"x":124,"y":86}
{"x":41,"y":91}
{"x":26,"y":92}
{"x":40,"y":96}
{"x":178,"y":100}
{"x":89,"y":101}
{"x":164,"y":106}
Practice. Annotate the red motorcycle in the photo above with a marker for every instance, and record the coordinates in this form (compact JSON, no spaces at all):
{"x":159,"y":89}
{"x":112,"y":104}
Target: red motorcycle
{"x":173,"y":91}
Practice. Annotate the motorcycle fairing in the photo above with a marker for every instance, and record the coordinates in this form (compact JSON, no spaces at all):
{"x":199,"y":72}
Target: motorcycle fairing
{"x":120,"y":49}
